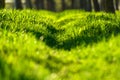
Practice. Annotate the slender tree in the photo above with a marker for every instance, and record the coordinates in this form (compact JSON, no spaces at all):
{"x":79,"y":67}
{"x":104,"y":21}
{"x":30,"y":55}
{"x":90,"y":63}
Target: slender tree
{"x":63,"y":5}
{"x":102,"y":5}
{"x":51,"y":5}
{"x":82,"y":4}
{"x":28,"y":4}
{"x":88,"y":5}
{"x":73,"y":5}
{"x":117,"y":4}
{"x":2,"y":3}
{"x":18,"y":4}
{"x":109,"y":6}
{"x":96,"y":5}
{"x":39,"y":4}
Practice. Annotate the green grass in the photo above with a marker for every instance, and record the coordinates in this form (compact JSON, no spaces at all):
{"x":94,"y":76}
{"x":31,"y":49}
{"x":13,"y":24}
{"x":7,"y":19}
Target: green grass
{"x":69,"y":45}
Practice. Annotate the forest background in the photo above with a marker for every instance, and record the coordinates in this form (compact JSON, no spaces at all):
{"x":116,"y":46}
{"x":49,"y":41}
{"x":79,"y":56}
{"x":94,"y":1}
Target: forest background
{"x":60,"y":5}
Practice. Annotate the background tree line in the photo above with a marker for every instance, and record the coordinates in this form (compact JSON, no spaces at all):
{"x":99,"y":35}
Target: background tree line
{"x":59,"y":5}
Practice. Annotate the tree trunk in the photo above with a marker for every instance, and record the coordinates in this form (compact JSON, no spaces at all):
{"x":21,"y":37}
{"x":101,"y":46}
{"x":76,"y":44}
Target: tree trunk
{"x":96,"y":5}
{"x":28,"y":4}
{"x":88,"y":5}
{"x":82,"y":4}
{"x":51,"y":5}
{"x":39,"y":4}
{"x":2,"y":4}
{"x":109,"y":6}
{"x":85,"y":5}
{"x":102,"y":5}
{"x":117,"y":4}
{"x":18,"y":4}
{"x":63,"y":5}
{"x":73,"y":5}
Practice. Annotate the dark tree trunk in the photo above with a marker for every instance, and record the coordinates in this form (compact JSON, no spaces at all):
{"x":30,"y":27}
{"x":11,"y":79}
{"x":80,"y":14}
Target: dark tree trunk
{"x":117,"y":4}
{"x":39,"y":4}
{"x":88,"y":5}
{"x":2,"y":4}
{"x":18,"y":4}
{"x":63,"y":5}
{"x":102,"y":5}
{"x":51,"y":5}
{"x":85,"y":5}
{"x":73,"y":5}
{"x":109,"y":6}
{"x":82,"y":4}
{"x":96,"y":5}
{"x":28,"y":4}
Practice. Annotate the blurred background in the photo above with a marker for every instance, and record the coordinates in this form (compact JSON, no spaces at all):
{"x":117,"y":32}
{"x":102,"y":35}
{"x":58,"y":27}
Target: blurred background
{"x":60,"y":5}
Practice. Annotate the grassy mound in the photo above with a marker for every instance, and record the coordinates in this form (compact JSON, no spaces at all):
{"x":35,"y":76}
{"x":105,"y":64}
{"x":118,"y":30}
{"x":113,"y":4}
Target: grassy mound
{"x":71,"y":45}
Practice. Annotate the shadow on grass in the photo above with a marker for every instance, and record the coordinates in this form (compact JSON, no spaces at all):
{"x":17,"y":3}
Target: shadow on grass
{"x":48,"y":35}
{"x":87,"y":37}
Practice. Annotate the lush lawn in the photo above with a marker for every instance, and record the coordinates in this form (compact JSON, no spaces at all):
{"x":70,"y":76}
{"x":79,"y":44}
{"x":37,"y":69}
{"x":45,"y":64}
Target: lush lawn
{"x":70,"y":45}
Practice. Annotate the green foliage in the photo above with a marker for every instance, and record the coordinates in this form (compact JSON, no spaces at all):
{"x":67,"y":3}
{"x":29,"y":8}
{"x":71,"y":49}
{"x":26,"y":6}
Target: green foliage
{"x":70,"y":45}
